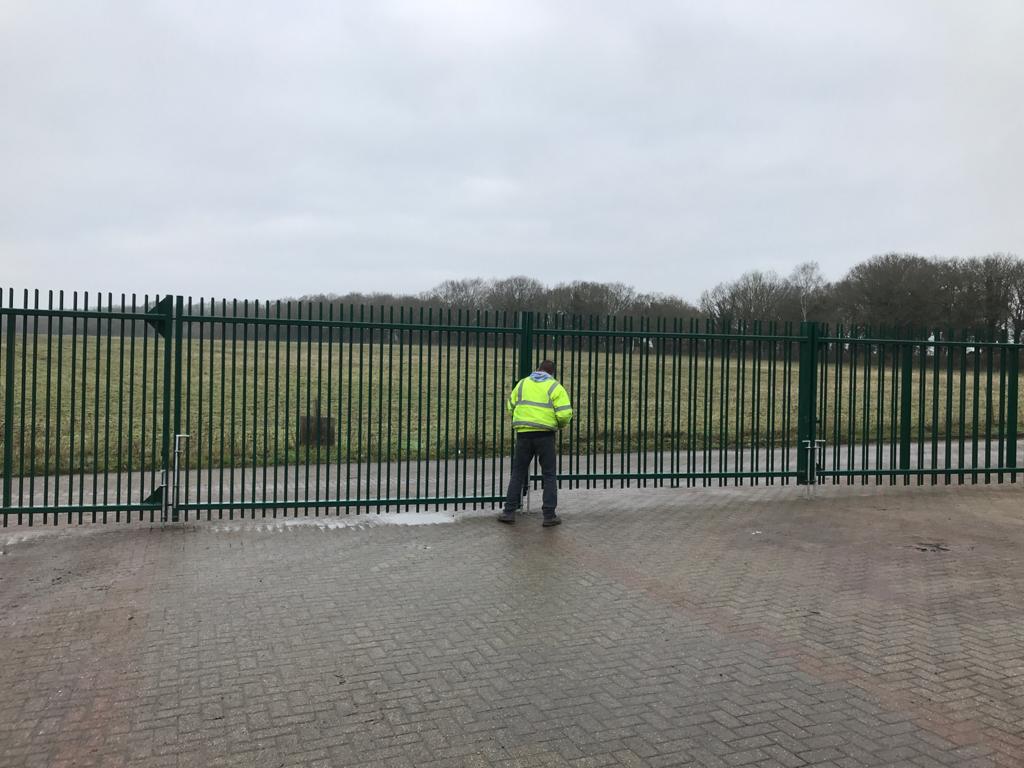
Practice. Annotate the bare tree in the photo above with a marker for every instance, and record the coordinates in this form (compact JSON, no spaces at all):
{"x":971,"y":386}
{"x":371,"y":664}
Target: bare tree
{"x":754,"y":295}
{"x":588,"y":298}
{"x":808,"y":288}
{"x":471,"y":292}
{"x":1015,"y":285}
{"x":992,"y":278}
{"x":664,"y":306}
{"x":895,"y":290}
{"x":516,"y":293}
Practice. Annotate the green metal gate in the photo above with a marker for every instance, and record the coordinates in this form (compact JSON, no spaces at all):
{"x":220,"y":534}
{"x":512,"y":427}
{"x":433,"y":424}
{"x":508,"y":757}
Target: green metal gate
{"x":171,"y":408}
{"x":85,"y":407}
{"x":917,"y":407}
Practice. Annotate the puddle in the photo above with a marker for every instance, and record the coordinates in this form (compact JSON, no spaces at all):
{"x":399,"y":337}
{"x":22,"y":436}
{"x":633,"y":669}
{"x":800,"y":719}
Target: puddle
{"x":350,"y":521}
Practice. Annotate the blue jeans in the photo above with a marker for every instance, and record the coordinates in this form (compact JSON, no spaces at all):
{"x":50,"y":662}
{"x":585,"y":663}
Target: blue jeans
{"x":528,"y":445}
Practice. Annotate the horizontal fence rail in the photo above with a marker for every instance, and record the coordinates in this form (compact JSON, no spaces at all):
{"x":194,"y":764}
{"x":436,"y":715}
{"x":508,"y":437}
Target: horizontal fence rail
{"x":166,"y":408}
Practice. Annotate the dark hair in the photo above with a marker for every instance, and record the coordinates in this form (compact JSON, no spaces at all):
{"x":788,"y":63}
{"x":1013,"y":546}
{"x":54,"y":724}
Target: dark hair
{"x":547,"y":366}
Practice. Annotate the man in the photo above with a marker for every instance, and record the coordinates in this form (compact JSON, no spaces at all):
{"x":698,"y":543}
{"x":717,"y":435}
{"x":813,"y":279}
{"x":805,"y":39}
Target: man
{"x":540,"y":407}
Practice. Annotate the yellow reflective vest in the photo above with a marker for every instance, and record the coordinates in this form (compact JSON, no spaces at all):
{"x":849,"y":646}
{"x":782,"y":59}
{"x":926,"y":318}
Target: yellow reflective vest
{"x":539,"y":403}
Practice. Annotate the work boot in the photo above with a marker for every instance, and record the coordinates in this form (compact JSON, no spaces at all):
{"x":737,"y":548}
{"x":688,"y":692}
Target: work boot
{"x":507,"y":517}
{"x":550,"y":520}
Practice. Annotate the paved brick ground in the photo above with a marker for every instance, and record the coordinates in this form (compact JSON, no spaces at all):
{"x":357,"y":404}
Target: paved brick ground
{"x":864,"y":627}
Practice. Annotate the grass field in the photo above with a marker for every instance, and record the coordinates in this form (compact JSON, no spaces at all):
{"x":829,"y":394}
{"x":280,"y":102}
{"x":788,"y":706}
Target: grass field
{"x":243,"y":402}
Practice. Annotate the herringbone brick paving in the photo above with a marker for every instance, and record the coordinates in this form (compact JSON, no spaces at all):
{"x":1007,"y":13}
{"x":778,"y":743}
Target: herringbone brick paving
{"x":722,"y":627}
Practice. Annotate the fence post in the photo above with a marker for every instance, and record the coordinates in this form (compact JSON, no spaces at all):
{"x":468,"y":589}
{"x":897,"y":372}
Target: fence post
{"x":179,"y":310}
{"x":166,"y":308}
{"x":9,"y":411}
{"x":906,"y":381}
{"x":1011,"y":410}
{"x":526,"y":362}
{"x":807,"y":400}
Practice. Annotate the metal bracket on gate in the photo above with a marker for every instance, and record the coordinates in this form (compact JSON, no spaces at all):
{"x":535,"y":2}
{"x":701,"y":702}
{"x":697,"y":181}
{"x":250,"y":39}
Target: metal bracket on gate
{"x":163,"y":495}
{"x":158,"y":315}
{"x":156,"y":497}
{"x":815,"y":460}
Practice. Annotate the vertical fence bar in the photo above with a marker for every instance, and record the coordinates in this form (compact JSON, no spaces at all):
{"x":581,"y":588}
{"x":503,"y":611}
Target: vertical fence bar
{"x":427,"y":423}
{"x":222,"y":428}
{"x":525,"y":344}
{"x":906,"y":391}
{"x":1012,"y":385}
{"x":771,"y":407}
{"x":245,"y":396}
{"x":627,"y":402}
{"x":299,"y":462}
{"x":837,"y":406}
{"x":989,"y":352}
{"x":308,"y":407}
{"x":32,"y":437}
{"x":96,"y":402}
{"x":740,"y":400}
{"x":173,"y":409}
{"x":723,"y":404}
{"x":447,"y":403}
{"x":131,"y":400}
{"x":320,"y":494}
{"x":806,"y":402}
{"x":83,"y":435}
{"x":759,"y":423}
{"x":691,"y":402}
{"x":46,"y":427}
{"x":255,"y":395}
{"x":207,"y":424}
{"x":23,"y":367}
{"x":153,"y":469}
{"x":709,"y":329}
{"x":851,"y":419}
{"x":106,"y":409}
{"x":935,"y":408}
{"x":9,"y":410}
{"x":384,"y":437}
{"x":865,"y":454}
{"x":336,"y":438}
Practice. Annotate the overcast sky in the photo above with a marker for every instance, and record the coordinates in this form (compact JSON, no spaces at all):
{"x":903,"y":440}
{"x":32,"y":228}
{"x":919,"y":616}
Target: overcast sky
{"x":254,"y":149}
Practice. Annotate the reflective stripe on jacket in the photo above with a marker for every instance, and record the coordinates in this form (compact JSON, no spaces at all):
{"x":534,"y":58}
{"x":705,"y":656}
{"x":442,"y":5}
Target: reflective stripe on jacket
{"x":539,"y":406}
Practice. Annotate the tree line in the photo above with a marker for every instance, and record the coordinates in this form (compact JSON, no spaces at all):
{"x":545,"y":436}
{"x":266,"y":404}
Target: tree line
{"x":890,"y":291}
{"x":580,"y":298}
{"x":893,"y":290}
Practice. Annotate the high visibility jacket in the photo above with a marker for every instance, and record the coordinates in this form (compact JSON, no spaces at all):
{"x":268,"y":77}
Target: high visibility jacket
{"x":539,"y":403}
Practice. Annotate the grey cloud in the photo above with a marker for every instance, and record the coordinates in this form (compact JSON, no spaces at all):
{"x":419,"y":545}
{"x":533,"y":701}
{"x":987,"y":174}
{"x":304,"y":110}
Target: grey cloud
{"x":265,"y":149}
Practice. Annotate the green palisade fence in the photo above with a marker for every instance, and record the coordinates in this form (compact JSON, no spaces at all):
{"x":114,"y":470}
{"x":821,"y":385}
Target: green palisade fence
{"x":160,"y":407}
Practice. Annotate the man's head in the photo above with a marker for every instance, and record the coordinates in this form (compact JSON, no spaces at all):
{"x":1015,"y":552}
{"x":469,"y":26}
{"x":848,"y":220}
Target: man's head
{"x":547,"y":366}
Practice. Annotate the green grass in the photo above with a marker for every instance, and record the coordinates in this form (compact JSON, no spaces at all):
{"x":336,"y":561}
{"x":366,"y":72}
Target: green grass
{"x":242,"y":402}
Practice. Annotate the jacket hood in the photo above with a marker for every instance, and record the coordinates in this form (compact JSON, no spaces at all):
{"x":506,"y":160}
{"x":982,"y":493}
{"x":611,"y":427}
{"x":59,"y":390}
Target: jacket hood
{"x":541,"y":376}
